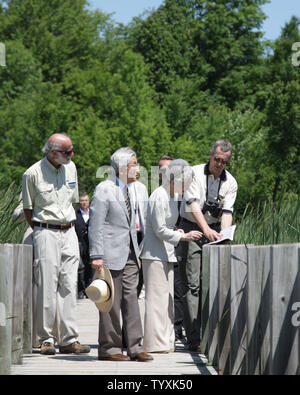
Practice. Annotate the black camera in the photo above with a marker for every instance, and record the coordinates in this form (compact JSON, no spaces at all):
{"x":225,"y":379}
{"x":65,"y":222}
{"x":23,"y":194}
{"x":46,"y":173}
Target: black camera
{"x":213,"y":207}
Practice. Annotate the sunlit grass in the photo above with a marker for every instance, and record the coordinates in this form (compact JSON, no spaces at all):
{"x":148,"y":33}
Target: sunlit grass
{"x":10,"y":232}
{"x":269,"y":223}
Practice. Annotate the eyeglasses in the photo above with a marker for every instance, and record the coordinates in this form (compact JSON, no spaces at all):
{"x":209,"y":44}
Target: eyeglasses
{"x":66,"y":152}
{"x":222,"y":161}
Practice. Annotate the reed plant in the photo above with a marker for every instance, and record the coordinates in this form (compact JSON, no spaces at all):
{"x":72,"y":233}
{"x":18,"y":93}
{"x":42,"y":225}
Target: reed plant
{"x":269,"y":223}
{"x":10,"y":231}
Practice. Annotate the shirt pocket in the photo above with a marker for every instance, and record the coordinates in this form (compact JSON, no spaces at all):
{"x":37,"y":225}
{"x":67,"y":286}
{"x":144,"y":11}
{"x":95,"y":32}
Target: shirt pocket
{"x":70,"y":188}
{"x":45,"y":194}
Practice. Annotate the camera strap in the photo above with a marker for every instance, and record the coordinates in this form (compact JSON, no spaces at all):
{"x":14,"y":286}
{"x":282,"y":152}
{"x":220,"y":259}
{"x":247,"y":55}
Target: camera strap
{"x":207,"y":186}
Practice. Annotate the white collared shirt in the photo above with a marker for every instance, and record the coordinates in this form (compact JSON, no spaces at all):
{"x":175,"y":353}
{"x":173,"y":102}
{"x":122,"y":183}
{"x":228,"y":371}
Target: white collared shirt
{"x":198,"y":191}
{"x":133,"y":200}
{"x":85,"y":214}
{"x":50,"y":192}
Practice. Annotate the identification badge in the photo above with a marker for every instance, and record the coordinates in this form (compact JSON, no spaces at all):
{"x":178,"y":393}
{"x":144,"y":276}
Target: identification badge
{"x":72,"y":184}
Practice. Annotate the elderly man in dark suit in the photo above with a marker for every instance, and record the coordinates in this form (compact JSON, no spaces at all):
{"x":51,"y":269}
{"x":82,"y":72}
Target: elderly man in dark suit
{"x":113,"y":243}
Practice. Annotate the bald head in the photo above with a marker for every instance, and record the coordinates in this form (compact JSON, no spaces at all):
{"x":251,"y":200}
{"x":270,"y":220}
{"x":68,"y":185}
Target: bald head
{"x":60,"y":139}
{"x":59,"y":149}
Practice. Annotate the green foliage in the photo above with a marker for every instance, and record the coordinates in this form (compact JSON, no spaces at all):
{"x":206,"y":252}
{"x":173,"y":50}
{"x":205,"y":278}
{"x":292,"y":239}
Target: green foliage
{"x":185,"y":75}
{"x":270,"y":223}
{"x":9,"y":231}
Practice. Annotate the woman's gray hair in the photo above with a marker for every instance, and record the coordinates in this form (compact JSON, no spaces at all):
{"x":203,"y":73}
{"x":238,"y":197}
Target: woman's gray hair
{"x":224,"y":145}
{"x":121,"y":157}
{"x":180,"y":171}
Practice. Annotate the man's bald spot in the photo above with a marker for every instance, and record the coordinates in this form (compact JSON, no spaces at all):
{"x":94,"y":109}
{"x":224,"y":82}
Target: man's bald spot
{"x":61,"y":139}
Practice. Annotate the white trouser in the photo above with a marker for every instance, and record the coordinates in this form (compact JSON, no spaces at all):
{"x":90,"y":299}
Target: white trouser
{"x":56,"y":258}
{"x":159,"y":332}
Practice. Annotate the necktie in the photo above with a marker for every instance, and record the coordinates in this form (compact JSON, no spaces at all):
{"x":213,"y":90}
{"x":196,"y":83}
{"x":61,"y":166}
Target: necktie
{"x":127,"y":201}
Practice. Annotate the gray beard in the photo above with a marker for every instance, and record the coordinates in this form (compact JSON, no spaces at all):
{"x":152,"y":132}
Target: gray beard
{"x":62,"y":160}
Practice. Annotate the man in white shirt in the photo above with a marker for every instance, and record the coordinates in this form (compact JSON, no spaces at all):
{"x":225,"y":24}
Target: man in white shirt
{"x":49,"y":188}
{"x":207,"y":206}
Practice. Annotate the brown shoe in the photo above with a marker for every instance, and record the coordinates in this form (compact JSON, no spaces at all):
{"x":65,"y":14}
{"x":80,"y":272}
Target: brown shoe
{"x":142,"y":357}
{"x":48,"y":348}
{"x":74,"y":348}
{"x":114,"y":357}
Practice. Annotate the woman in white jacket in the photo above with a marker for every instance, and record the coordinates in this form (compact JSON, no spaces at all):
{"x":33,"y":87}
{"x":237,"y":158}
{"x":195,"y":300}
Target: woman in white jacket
{"x":158,"y":256}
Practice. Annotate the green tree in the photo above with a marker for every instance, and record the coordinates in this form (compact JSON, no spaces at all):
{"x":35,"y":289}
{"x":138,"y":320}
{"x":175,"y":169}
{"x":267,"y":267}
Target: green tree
{"x":61,"y":34}
{"x":283,"y":120}
{"x":215,"y":41}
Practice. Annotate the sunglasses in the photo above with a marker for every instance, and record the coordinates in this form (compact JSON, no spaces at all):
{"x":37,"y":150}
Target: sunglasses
{"x":222,"y":161}
{"x":66,"y":152}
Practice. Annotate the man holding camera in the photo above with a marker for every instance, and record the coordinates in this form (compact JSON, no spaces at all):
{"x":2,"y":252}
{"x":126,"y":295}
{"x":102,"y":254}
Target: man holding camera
{"x":208,"y":206}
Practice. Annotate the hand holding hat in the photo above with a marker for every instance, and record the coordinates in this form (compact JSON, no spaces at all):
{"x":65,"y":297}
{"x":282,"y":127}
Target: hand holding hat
{"x":101,"y":290}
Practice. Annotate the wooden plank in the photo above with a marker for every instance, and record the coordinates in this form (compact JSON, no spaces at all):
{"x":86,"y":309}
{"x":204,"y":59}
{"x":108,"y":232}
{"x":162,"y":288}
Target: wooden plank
{"x":224,"y":309}
{"x":213,"y":306}
{"x":259,"y":310}
{"x":6,"y":284}
{"x":180,"y":362}
{"x":238,"y":309}
{"x":17,"y":305}
{"x":205,"y":298}
{"x":285,"y":293}
{"x":27,"y":299}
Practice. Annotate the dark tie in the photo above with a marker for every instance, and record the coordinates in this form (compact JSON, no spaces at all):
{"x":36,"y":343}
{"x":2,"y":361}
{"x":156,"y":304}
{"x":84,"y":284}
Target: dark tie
{"x":127,"y":201}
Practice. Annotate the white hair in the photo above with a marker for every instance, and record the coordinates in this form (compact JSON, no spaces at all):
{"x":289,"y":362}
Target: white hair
{"x":180,"y":171}
{"x":121,"y":157}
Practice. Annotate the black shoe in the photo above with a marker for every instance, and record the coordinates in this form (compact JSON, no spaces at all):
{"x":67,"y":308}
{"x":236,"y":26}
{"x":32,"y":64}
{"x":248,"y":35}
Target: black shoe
{"x":178,"y":335}
{"x":194,"y":346}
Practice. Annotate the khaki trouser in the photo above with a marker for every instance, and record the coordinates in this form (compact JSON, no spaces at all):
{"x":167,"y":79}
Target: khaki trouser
{"x":159,"y":332}
{"x":56,"y":258}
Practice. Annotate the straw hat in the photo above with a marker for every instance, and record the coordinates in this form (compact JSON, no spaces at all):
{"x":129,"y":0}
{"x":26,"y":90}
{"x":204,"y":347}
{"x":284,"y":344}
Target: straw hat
{"x":101,"y":291}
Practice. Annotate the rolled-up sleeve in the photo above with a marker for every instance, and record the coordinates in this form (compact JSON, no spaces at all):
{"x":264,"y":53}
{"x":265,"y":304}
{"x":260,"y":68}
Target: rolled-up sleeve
{"x":28,"y":191}
{"x":230,"y":196}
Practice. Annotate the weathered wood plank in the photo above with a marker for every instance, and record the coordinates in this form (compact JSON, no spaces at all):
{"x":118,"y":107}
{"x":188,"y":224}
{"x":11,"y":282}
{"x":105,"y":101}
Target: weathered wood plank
{"x":238,"y":309}
{"x":224,"y":309}
{"x":205,"y":298}
{"x":180,"y":362}
{"x":17,"y":305}
{"x":285,"y":293}
{"x":213,"y":306}
{"x":27,"y":300}
{"x":259,"y":310}
{"x":6,"y":284}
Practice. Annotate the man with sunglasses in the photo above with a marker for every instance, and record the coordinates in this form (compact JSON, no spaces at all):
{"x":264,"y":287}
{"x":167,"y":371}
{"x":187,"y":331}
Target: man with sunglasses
{"x":207,"y":206}
{"x":49,"y":190}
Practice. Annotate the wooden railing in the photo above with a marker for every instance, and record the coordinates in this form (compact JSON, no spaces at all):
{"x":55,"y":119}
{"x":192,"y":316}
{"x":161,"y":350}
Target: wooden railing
{"x":251,"y":308}
{"x":15,"y":304}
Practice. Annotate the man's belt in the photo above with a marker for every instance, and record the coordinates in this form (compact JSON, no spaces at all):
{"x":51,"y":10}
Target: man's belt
{"x":51,"y":226}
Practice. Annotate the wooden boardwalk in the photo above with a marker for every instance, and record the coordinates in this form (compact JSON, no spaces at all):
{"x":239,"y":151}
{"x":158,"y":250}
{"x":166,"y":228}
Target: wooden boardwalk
{"x":180,"y":362}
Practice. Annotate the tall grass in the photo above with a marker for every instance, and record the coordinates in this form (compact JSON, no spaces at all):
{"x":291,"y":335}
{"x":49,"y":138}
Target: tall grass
{"x":10,"y":232}
{"x":269,"y":223}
